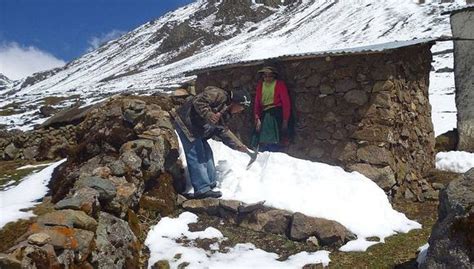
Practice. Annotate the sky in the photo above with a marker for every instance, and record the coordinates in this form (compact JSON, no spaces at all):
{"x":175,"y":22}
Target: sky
{"x":38,"y":35}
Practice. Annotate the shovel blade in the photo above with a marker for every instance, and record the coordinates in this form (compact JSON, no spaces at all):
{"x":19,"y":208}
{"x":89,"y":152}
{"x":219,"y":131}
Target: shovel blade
{"x":253,"y":157}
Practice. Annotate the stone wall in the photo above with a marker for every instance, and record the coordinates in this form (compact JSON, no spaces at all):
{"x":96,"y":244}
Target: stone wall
{"x":37,"y":145}
{"x":462,"y":25}
{"x":366,"y":112}
{"x":121,"y":174}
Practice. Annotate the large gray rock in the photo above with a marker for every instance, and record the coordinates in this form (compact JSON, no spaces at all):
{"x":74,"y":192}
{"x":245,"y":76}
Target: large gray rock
{"x":85,"y":199}
{"x":11,"y":152}
{"x":462,"y":25}
{"x":209,"y":206}
{"x":272,"y":221}
{"x":116,"y":245}
{"x":452,"y":238}
{"x":105,"y":187}
{"x":68,"y":116}
{"x":328,"y":232}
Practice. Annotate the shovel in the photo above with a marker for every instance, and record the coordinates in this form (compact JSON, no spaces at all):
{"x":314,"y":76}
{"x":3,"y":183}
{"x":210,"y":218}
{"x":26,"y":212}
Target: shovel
{"x":252,"y":155}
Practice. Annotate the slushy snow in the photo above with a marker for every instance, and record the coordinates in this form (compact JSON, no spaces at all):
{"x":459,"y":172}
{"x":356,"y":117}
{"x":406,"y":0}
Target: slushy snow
{"x":25,"y":195}
{"x":161,"y":241}
{"x":455,"y":161}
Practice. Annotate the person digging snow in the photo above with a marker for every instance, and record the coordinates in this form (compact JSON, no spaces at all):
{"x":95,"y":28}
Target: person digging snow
{"x":200,"y":118}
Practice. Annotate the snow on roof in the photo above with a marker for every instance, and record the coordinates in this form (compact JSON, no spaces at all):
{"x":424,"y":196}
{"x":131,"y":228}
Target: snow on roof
{"x":459,"y":9}
{"x":376,"y":48}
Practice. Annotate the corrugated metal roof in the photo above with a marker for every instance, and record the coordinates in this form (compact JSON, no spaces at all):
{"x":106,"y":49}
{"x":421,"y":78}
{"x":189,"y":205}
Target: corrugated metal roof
{"x":377,"y":48}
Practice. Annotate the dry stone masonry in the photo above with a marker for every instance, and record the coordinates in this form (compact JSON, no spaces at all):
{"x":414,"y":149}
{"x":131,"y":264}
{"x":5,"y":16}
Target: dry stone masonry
{"x":37,"y":145}
{"x":126,"y":156}
{"x":367,"y":112}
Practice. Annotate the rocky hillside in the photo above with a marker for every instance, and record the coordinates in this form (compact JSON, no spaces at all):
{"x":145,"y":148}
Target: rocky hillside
{"x":156,"y":55}
{"x":4,"y":82}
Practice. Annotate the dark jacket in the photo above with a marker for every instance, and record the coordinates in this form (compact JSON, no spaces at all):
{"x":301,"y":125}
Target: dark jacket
{"x":193,"y":117}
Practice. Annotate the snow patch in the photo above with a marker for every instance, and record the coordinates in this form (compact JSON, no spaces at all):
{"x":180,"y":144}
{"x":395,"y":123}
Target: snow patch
{"x":455,"y":161}
{"x":161,"y":240}
{"x":25,"y":195}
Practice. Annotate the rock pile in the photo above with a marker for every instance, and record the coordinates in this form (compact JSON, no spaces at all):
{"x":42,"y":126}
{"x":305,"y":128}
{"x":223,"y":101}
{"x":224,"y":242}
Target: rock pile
{"x":37,"y":145}
{"x":257,"y":217}
{"x":125,"y":164}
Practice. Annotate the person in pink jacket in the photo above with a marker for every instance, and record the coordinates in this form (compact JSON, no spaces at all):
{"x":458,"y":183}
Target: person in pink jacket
{"x":272,"y":110}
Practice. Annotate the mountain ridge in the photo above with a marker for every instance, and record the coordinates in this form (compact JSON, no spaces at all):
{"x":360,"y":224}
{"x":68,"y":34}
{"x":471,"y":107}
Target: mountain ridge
{"x":156,"y":55}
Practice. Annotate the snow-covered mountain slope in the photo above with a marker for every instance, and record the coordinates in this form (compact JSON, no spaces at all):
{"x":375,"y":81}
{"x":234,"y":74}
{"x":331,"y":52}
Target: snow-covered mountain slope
{"x":208,"y":32}
{"x":5,"y":82}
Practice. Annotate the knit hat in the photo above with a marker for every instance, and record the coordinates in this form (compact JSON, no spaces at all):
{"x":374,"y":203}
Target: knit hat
{"x":268,"y":69}
{"x":241,"y":97}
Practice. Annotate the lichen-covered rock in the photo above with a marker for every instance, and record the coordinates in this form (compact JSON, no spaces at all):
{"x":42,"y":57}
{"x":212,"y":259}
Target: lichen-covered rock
{"x":85,"y":199}
{"x":68,"y":218}
{"x":97,"y":191}
{"x":78,"y":241}
{"x":452,"y":240}
{"x":116,"y":245}
{"x":105,"y":187}
{"x":39,"y":239}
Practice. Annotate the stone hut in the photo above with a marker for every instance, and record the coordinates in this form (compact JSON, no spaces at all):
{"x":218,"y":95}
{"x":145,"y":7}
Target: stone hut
{"x":462,"y":25}
{"x":365,"y":109}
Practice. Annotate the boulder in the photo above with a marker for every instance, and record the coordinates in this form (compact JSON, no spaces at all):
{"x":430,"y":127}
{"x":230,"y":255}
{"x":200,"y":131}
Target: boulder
{"x":116,"y":245}
{"x":447,"y":141}
{"x":67,"y":116}
{"x":274,"y":221}
{"x":452,"y":240}
{"x":328,"y":232}
{"x":30,"y":153}
{"x":11,"y":152}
